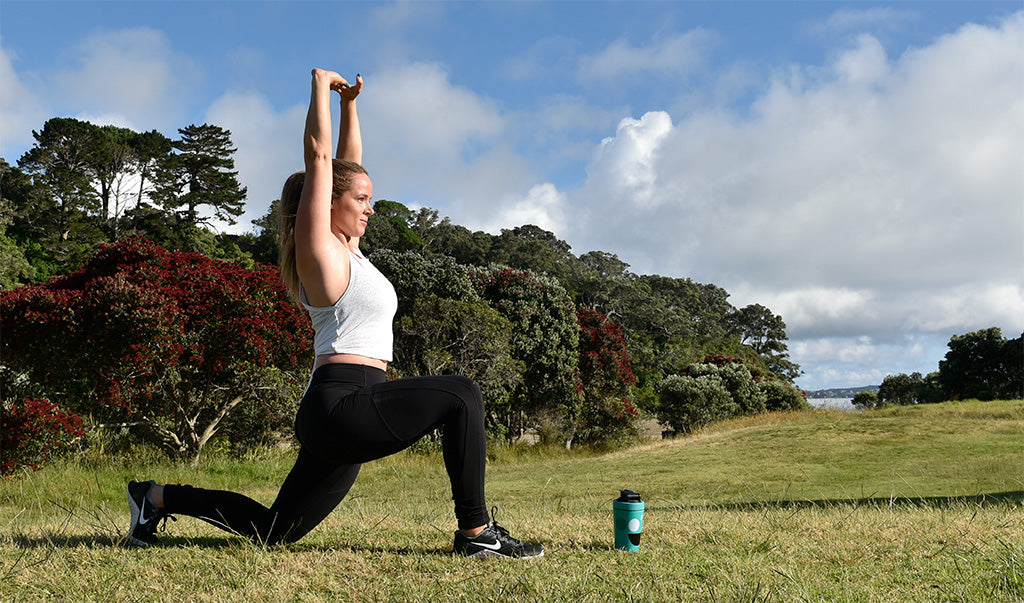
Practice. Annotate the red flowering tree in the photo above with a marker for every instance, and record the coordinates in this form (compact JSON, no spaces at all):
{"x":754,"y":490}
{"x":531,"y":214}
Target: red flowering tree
{"x":607,"y":412}
{"x":178,"y":343}
{"x":32,"y":431}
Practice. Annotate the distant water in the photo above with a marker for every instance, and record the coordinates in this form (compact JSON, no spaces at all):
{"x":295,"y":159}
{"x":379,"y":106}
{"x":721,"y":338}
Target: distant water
{"x":833,"y":403}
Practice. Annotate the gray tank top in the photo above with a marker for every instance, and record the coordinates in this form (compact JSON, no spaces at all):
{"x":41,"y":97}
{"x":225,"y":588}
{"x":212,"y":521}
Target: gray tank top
{"x":360,"y":321}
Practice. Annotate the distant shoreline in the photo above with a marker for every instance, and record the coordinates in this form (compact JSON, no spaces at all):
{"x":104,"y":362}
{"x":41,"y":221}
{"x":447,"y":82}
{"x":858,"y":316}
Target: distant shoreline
{"x":840,"y":392}
{"x":832,"y":403}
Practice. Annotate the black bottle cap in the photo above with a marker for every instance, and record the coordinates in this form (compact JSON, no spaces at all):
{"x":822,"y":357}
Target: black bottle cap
{"x":628,"y":496}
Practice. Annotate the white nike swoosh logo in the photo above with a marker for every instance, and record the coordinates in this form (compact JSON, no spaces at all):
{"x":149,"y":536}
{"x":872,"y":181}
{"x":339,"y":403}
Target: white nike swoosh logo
{"x":493,"y":547}
{"x":142,"y":513}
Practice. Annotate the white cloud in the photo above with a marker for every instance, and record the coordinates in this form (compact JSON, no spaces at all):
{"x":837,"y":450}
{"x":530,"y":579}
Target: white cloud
{"x":21,"y":110}
{"x":430,"y":142}
{"x":862,"y":360}
{"x":426,"y":142}
{"x":877,"y":195}
{"x":134,"y":73}
{"x":417,"y":106}
{"x":867,"y":178}
{"x":269,"y":147}
{"x":815,"y":311}
{"x":625,"y":165}
{"x":966,"y":308}
{"x":678,"y":55}
{"x":543,"y":206}
{"x":879,"y":18}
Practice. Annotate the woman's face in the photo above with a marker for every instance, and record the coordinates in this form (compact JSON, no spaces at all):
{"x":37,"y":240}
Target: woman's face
{"x":351,"y":211}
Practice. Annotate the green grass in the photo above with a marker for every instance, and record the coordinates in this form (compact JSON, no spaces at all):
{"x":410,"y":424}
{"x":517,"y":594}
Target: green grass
{"x":909,"y":504}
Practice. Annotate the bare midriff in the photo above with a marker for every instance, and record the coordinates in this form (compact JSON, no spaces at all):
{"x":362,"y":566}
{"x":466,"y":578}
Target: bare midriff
{"x":323,"y":359}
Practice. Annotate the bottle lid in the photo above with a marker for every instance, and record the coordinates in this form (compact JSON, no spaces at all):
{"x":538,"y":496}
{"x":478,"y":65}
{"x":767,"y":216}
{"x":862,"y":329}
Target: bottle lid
{"x":628,"y":496}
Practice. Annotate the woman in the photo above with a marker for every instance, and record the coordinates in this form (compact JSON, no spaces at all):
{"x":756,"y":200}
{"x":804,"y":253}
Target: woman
{"x":349,"y":413}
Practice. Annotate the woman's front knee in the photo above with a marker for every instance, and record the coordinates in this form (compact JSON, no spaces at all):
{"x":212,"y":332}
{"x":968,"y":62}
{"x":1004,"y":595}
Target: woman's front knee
{"x":473,"y":398}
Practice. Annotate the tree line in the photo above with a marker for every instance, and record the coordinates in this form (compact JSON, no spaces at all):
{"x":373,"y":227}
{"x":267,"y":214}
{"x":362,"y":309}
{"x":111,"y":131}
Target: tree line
{"x":81,"y":185}
{"x":104,"y":221}
{"x":981,"y":365}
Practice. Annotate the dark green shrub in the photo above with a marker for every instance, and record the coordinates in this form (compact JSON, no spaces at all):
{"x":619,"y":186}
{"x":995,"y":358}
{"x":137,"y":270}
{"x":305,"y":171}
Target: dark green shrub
{"x":688,"y":403}
{"x":780,"y":395}
{"x":866,"y":399}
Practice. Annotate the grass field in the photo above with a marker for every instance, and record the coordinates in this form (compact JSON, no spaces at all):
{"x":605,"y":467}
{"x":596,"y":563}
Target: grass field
{"x":903,"y":504}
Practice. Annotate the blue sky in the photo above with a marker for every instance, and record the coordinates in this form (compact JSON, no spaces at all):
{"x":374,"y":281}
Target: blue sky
{"x":857,"y":167}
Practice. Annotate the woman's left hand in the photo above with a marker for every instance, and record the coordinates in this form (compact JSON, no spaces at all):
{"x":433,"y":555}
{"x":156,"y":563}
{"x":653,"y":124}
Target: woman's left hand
{"x":347,"y":91}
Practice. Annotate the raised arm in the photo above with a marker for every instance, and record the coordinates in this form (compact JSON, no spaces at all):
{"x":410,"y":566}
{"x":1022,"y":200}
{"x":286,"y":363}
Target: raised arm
{"x":321,"y":259}
{"x":350,"y":139}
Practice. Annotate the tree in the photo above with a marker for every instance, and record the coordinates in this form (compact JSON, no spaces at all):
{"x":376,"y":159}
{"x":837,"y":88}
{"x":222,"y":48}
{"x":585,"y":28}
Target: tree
{"x":780,"y":395}
{"x":765,"y":332}
{"x":111,"y":160}
{"x":607,"y":412}
{"x":200,"y":174}
{"x":444,"y":238}
{"x":148,"y":148}
{"x":900,"y":389}
{"x":63,"y":212}
{"x":599,"y":276}
{"x":413,"y":276}
{"x":15,"y":268}
{"x":60,"y":160}
{"x":866,"y":399}
{"x":389,"y":228}
{"x":442,"y":326}
{"x":719,"y":387}
{"x":544,"y":337}
{"x":169,"y":341}
{"x":983,"y":365}
{"x":85,"y":165}
{"x":530,"y":247}
{"x":32,"y":431}
{"x":265,"y":240}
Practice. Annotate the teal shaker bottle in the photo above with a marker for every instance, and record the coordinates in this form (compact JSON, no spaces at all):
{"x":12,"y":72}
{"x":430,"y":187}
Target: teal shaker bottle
{"x":628,"y":510}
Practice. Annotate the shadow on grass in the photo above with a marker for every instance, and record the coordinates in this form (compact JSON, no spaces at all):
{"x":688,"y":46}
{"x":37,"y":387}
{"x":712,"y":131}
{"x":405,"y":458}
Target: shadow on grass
{"x":115,"y":541}
{"x":49,"y":541}
{"x":1013,"y":498}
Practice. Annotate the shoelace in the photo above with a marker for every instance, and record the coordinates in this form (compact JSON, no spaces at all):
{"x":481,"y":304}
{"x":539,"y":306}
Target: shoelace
{"x":159,"y":523}
{"x":503,"y":534}
{"x":500,"y":532}
{"x":163,"y":520}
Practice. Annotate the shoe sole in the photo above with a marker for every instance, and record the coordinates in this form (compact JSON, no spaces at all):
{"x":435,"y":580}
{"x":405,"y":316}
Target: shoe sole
{"x":136,"y":513}
{"x":488,"y":554}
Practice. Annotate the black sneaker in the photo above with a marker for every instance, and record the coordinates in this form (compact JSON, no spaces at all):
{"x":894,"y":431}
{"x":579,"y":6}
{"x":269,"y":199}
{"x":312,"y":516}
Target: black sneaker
{"x":145,"y":515}
{"x":494,"y":541}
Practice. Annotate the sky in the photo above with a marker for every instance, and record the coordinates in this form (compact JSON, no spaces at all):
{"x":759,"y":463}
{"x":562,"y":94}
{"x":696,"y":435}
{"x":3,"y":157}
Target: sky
{"x":856,"y":167}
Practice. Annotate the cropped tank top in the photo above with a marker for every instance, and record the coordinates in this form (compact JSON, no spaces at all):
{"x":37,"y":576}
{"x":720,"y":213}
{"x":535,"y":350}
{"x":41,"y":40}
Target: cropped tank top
{"x":360,"y":321}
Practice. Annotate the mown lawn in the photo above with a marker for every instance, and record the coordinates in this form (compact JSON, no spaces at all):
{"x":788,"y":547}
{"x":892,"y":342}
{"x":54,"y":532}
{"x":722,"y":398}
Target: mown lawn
{"x":910,"y":504}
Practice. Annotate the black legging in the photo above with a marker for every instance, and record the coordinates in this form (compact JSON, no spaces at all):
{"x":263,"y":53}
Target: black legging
{"x":350,"y":415}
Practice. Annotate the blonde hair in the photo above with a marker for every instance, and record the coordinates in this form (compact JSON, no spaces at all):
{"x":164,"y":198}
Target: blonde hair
{"x":291,"y":195}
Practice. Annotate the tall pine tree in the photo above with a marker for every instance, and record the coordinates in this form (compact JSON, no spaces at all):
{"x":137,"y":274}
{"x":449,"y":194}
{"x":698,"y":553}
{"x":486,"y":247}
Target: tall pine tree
{"x":200,"y":174}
